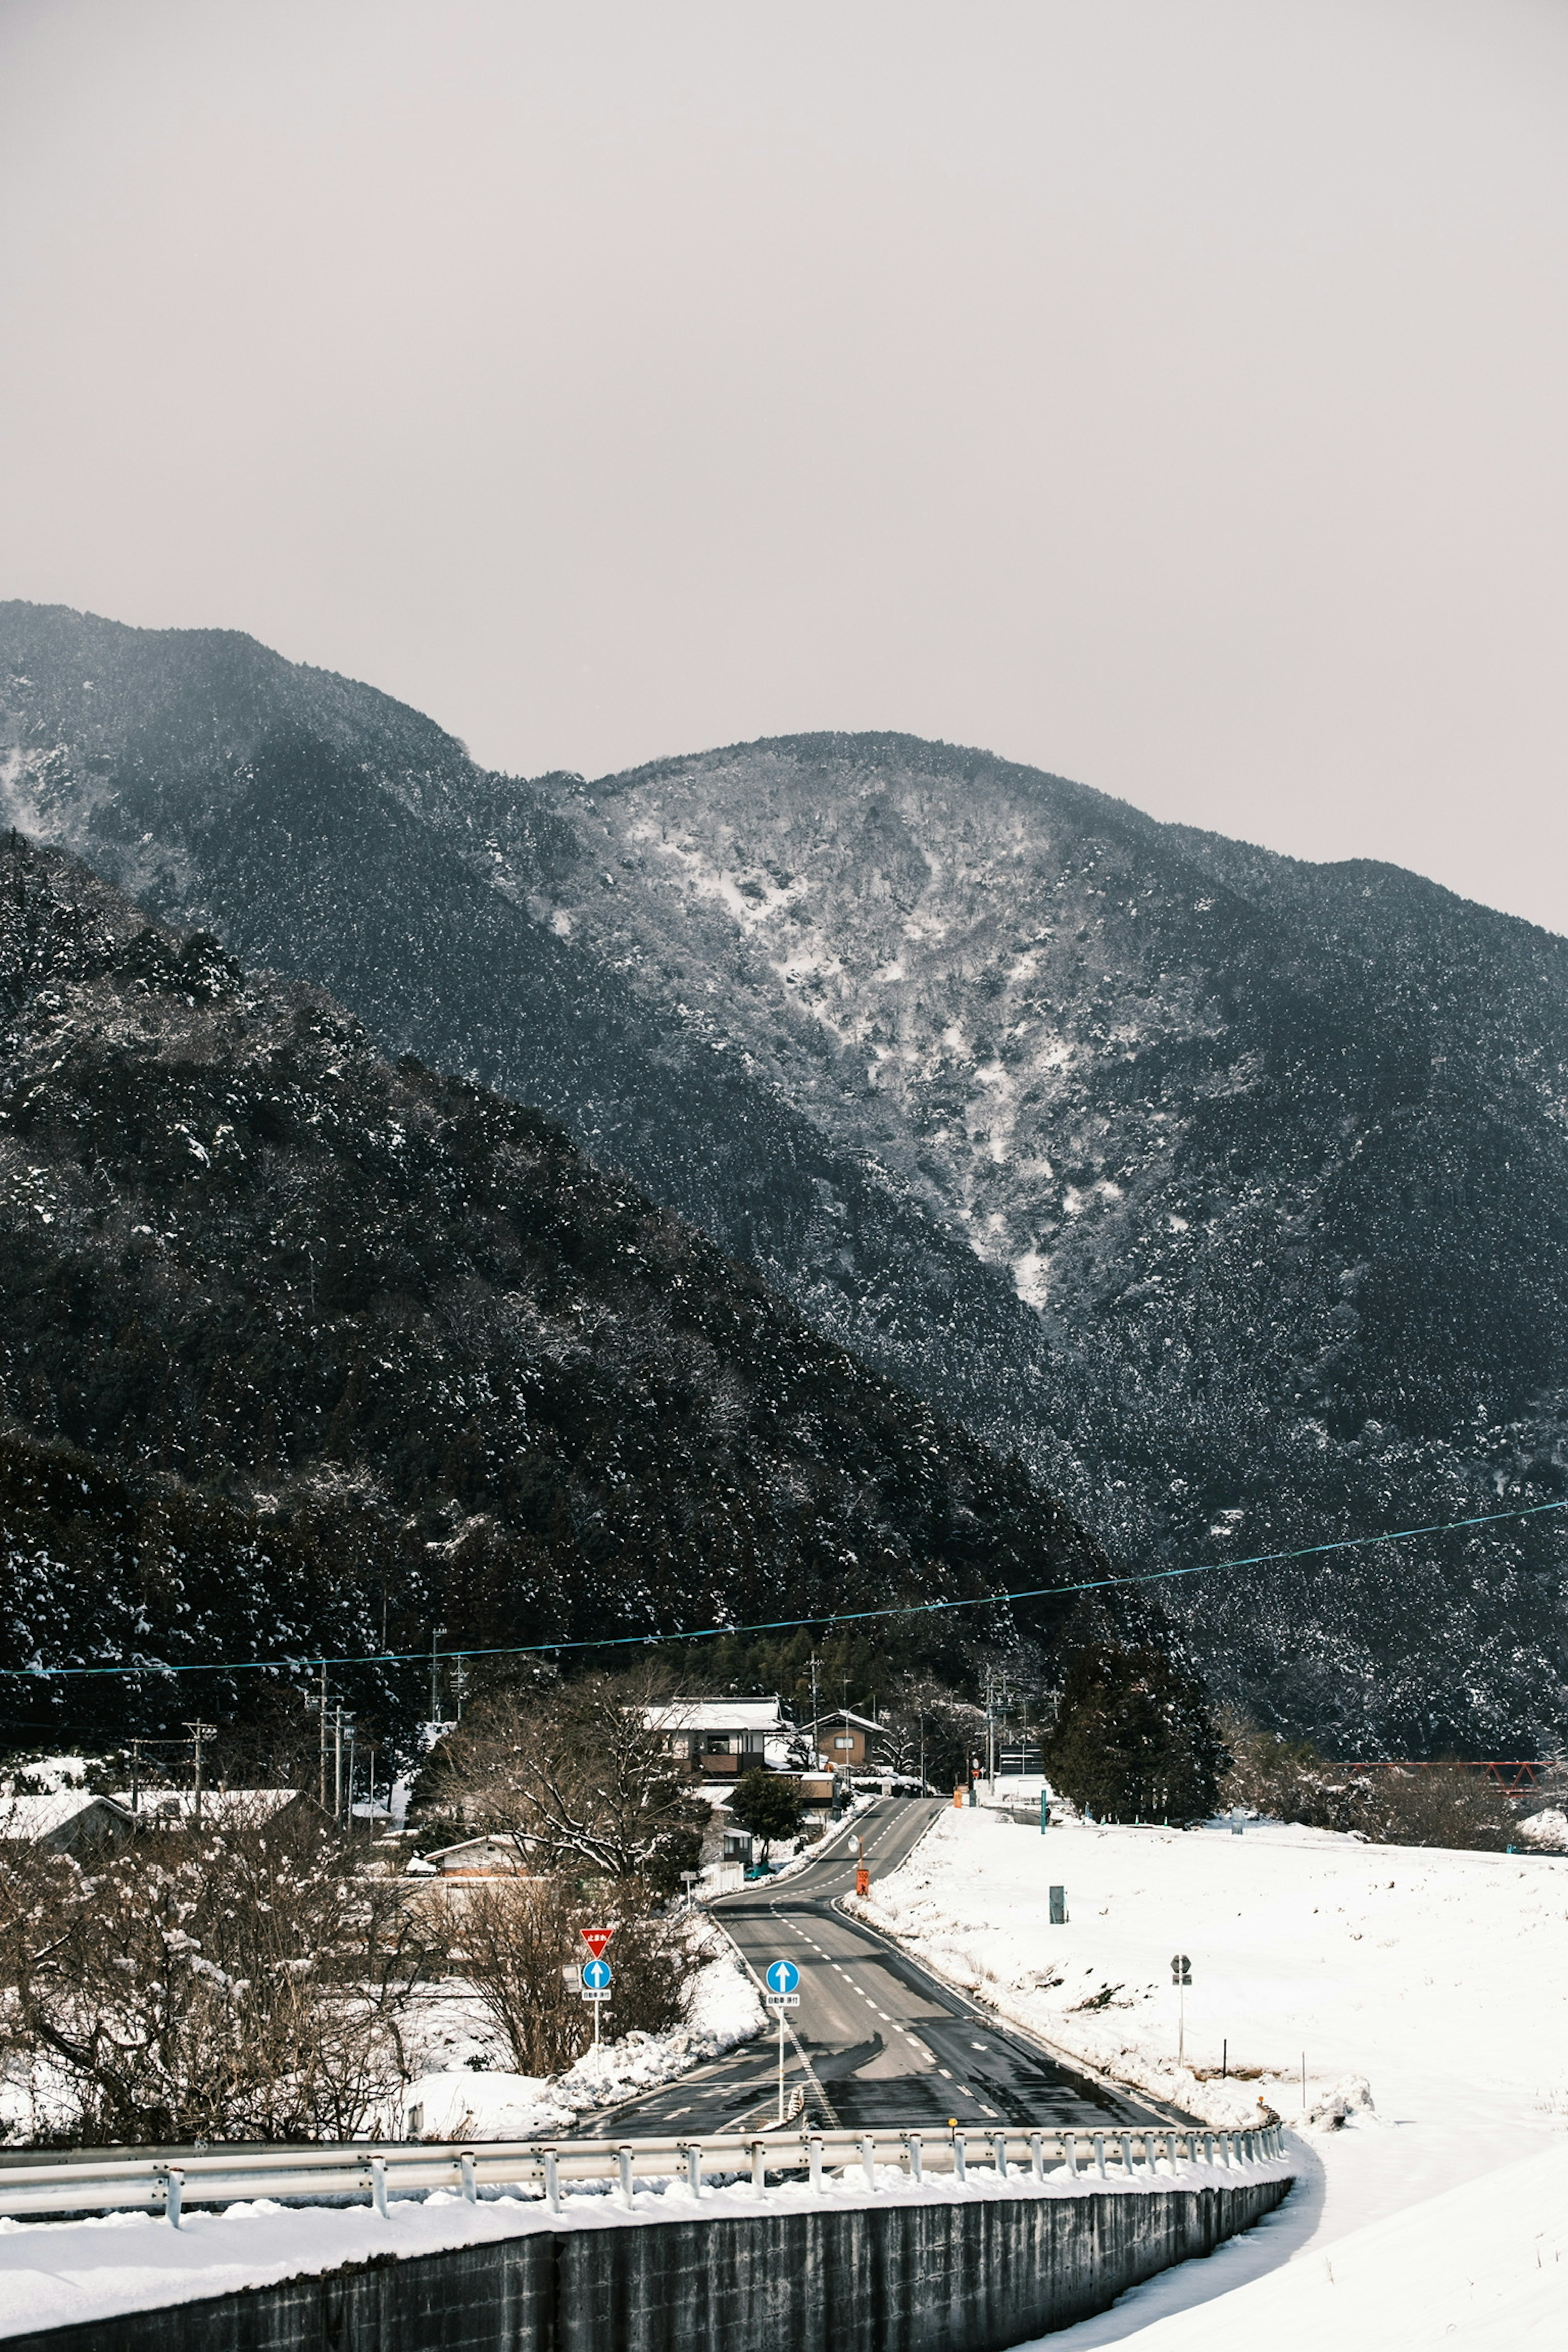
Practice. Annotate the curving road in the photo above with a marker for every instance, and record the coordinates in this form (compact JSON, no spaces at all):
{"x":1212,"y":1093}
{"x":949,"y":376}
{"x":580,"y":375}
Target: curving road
{"x":876,"y":2039}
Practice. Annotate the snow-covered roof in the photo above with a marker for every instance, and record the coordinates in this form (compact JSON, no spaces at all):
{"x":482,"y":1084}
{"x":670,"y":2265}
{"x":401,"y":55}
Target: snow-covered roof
{"x":847,"y":1714}
{"x":170,"y":1805}
{"x":29,"y":1818}
{"x":493,"y":1842}
{"x":718,"y":1715}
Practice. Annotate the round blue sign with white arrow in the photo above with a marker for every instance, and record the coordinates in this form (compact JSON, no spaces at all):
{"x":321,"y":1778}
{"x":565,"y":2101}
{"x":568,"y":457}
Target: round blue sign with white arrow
{"x":596,"y":1975}
{"x":782,"y":1976}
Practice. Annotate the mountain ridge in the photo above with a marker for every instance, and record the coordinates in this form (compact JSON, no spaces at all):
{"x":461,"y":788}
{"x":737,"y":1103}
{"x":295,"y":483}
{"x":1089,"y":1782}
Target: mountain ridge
{"x":1229,"y":1190}
{"x":293,"y":1341}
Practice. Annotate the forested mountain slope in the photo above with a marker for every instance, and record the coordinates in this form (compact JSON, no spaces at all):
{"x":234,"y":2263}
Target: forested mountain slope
{"x":1277,"y":1152}
{"x":1232,"y":1191}
{"x":296,"y":1344}
{"x":323,"y":830}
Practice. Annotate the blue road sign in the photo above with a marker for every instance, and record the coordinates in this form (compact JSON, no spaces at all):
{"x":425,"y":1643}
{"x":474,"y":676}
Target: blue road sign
{"x":782,"y":1976}
{"x":596,"y":1975}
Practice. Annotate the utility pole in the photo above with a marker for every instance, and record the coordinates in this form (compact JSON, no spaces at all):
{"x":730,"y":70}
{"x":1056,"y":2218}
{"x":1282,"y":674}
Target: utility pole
{"x":435,"y":1632}
{"x":349,"y":1815}
{"x":338,"y":1761}
{"x":816,"y":1734}
{"x":136,"y":1776}
{"x":200,"y":1731}
{"x":321,"y":1710}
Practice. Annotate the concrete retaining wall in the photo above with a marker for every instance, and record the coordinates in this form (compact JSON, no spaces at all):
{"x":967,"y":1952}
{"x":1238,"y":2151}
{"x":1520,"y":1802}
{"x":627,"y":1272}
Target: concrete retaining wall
{"x":949,"y":2276}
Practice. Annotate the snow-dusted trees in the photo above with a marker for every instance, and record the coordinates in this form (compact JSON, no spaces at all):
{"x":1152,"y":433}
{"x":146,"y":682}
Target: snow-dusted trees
{"x":242,"y":1983}
{"x":1136,"y":1739}
{"x":578,"y":1777}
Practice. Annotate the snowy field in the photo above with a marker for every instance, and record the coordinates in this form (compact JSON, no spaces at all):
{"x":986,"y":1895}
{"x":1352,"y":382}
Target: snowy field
{"x":1437,"y":1978}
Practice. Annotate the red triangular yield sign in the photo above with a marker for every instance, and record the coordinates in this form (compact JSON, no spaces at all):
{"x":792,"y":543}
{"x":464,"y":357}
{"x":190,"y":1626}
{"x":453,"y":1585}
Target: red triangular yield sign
{"x":596,"y":1938}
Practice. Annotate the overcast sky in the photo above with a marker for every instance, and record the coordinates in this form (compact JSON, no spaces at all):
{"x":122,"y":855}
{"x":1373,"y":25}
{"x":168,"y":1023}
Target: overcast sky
{"x":1170,"y":393}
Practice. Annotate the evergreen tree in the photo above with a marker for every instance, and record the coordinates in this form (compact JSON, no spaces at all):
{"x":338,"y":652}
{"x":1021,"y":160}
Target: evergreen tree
{"x":768,"y":1804}
{"x":1136,"y":1739}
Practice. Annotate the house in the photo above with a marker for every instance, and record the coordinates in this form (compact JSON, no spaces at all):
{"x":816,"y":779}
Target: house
{"x":847,"y":1742}
{"x":479,"y":1857}
{"x":71,"y":1821}
{"x":717,"y":1740}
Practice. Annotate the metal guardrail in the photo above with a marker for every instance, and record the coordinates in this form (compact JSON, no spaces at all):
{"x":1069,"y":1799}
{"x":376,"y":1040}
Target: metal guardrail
{"x":379,"y":2171}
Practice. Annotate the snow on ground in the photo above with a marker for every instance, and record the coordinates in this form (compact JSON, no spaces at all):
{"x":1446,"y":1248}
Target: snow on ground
{"x":1440,"y":1978}
{"x":1483,"y":2268}
{"x":464,"y":2100}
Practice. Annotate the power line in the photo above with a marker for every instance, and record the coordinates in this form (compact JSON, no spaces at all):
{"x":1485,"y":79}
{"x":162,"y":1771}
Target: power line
{"x":298,"y":1662}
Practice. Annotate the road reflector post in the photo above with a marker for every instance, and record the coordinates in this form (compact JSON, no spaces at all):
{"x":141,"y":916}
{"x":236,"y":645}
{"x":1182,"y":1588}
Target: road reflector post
{"x":868,"y":2158}
{"x":913,"y":2149}
{"x":1059,"y":1906}
{"x":813,"y":2159}
{"x":759,"y":2168}
{"x":623,"y":2166}
{"x":378,"y":2185}
{"x":960,"y":2158}
{"x":470,"y":2186}
{"x":552,"y":2181}
{"x":694,"y":2170}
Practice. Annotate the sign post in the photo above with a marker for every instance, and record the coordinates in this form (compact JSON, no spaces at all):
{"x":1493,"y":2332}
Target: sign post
{"x":1181,"y":1977}
{"x":782,"y":1978}
{"x":596,"y":1978}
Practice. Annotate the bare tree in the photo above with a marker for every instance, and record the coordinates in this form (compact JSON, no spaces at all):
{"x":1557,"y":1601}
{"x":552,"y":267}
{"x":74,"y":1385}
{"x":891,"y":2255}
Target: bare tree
{"x":580,"y":1779}
{"x":241,"y":1983}
{"x":1414,"y":1804}
{"x":518,"y":1943}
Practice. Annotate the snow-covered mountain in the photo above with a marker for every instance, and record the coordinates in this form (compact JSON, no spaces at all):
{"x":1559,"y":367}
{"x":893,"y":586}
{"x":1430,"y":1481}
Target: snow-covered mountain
{"x":304,"y":1352}
{"x":1230,"y":1192}
{"x":1276,"y":1151}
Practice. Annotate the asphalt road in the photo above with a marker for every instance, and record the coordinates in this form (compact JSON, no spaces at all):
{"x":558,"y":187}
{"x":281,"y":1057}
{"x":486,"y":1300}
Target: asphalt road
{"x":876,"y":2040}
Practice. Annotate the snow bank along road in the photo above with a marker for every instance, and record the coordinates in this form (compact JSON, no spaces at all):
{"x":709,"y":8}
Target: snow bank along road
{"x":876,"y":2039}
